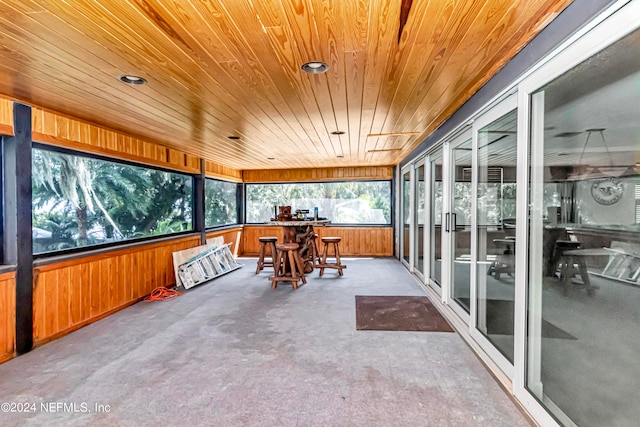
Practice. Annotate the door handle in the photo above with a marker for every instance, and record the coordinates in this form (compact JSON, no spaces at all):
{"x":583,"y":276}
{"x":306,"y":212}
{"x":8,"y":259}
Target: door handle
{"x":453,"y":222}
{"x":446,"y":222}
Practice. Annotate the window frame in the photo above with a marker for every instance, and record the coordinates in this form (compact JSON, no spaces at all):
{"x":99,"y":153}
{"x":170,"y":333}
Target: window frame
{"x":121,"y":243}
{"x":338,"y":224}
{"x":239,"y":208}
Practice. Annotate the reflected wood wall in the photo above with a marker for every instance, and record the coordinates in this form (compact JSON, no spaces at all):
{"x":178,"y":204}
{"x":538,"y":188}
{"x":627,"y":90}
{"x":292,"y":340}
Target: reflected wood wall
{"x":7,"y":315}
{"x":356,"y":241}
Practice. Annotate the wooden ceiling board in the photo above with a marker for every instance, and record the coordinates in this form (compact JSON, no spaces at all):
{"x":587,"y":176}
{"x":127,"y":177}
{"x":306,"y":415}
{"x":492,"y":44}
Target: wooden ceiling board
{"x":355,"y":18}
{"x":407,"y":55}
{"x":81,"y":71}
{"x":308,"y":45}
{"x":285,"y":64}
{"x":330,"y":27}
{"x":423,"y":65}
{"x":230,"y":103}
{"x":453,"y":22}
{"x":308,"y":110}
{"x":232,"y":67}
{"x":252,"y":105}
{"x":382,"y":39}
{"x":480,"y":62}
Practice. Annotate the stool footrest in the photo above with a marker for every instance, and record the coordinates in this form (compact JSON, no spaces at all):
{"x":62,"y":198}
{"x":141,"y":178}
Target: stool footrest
{"x":330,"y":266}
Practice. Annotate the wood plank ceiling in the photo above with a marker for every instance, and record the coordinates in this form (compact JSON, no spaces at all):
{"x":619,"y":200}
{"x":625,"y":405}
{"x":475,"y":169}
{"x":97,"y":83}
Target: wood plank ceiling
{"x":220,"y":68}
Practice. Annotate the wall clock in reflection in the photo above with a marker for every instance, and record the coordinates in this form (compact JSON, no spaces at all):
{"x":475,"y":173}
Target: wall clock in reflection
{"x":607,"y":191}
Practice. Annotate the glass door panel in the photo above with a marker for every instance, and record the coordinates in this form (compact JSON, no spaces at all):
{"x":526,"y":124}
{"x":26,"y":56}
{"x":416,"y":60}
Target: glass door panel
{"x":419,"y":189}
{"x":406,"y":215}
{"x":495,"y":232}
{"x":435,"y":219}
{"x":583,"y":289}
{"x":458,"y":223}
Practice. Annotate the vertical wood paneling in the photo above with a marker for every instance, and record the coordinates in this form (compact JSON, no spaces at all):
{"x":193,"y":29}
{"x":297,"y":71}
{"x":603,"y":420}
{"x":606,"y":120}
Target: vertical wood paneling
{"x":356,"y":241}
{"x":75,"y":294}
{"x":233,"y":235}
{"x":214,"y":170}
{"x":39,"y":314}
{"x":64,"y":301}
{"x":6,"y":116}
{"x":71,"y":294}
{"x":318,"y":174}
{"x":95,"y":283}
{"x":85,"y":292}
{"x":59,"y":130}
{"x":7,"y":315}
{"x":51,"y":302}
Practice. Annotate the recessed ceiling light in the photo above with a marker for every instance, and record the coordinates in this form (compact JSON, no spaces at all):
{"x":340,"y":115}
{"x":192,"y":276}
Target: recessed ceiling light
{"x":271,"y":158}
{"x":315,"y":67}
{"x":132,"y":80}
{"x":233,"y":137}
{"x":339,"y":157}
{"x":338,"y":132}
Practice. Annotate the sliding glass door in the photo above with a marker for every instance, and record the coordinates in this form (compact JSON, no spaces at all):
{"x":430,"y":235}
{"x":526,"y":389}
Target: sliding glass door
{"x":583,"y":283}
{"x":405,"y":238}
{"x":457,"y":223}
{"x":495,"y":157}
{"x":434,"y":218}
{"x":419,"y":191}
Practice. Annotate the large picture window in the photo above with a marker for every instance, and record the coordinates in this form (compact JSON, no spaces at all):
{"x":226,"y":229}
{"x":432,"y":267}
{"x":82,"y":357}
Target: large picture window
{"x":82,"y":201}
{"x":221,"y":206}
{"x":353,"y":202}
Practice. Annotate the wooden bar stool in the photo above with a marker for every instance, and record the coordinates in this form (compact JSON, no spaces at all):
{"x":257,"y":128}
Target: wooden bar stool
{"x":287,"y":265}
{"x":270,"y":242}
{"x":334,"y":242}
{"x":314,"y":254}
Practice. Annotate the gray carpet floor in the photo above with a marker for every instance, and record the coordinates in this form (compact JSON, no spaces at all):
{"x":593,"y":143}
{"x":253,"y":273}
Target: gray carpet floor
{"x":234,"y":352}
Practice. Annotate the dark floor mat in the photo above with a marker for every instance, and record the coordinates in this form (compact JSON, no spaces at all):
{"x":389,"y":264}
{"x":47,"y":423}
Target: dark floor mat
{"x":398,"y":313}
{"x":500,"y":320}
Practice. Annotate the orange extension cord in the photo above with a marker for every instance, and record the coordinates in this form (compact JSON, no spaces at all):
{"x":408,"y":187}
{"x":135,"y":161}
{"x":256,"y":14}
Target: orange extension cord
{"x":162,"y":294}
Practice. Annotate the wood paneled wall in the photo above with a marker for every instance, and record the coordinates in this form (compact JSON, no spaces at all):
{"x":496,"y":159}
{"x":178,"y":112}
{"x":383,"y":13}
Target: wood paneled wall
{"x":214,"y":170}
{"x":318,"y":174}
{"x":356,"y":241}
{"x":250,"y":236}
{"x":6,"y":116}
{"x":231,"y":235}
{"x":72,"y":294}
{"x":7,"y":315}
{"x":51,"y":128}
